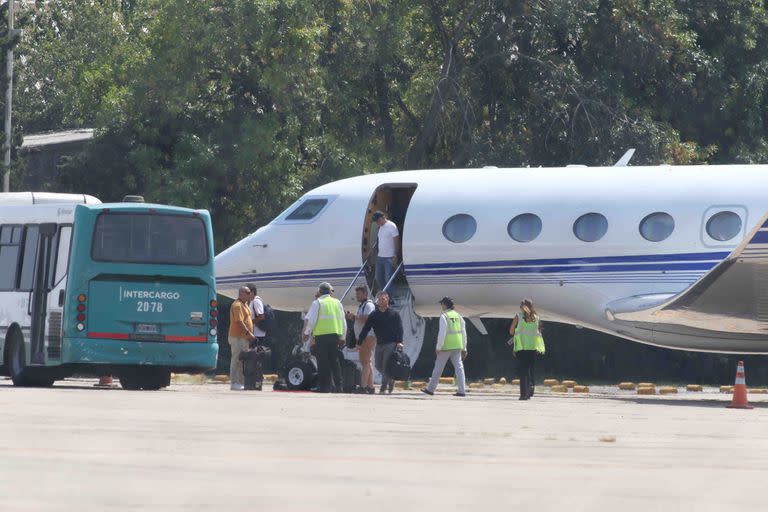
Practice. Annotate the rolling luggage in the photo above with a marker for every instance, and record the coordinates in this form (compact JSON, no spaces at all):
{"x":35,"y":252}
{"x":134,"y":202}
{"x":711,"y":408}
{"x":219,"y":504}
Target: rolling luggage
{"x":399,"y":366}
{"x":253,"y":366}
{"x":350,"y":376}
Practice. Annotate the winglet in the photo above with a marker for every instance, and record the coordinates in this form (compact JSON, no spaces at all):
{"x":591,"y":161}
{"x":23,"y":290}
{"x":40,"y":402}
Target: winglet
{"x":624,"y":160}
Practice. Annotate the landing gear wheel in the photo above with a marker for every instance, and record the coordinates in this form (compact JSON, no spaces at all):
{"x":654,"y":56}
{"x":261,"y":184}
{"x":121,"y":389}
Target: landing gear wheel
{"x":299,"y":376}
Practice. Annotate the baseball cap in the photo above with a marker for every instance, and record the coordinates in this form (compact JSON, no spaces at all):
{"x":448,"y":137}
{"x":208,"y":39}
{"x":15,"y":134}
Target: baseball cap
{"x":447,"y":302}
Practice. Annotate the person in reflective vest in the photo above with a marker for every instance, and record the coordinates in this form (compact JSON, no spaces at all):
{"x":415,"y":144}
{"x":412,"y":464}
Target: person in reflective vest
{"x":325,"y":321}
{"x":451,"y":344}
{"x":528,"y":343}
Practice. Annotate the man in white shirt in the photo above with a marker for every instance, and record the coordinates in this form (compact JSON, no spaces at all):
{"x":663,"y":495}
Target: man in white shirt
{"x":256,"y":307}
{"x":389,"y":248}
{"x":257,"y":314}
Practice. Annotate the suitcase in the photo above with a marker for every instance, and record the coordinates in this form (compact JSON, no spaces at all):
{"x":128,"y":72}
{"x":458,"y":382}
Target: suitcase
{"x":253,"y":367}
{"x":350,"y":376}
{"x":398,"y":366}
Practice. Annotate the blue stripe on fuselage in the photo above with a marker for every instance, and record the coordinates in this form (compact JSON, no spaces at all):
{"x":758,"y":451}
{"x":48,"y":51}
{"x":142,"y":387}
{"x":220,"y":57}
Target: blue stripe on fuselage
{"x":601,"y":264}
{"x":761,"y":237}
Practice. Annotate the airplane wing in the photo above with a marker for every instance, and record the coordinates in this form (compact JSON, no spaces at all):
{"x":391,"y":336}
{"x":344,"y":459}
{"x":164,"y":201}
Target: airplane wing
{"x":732,"y":297}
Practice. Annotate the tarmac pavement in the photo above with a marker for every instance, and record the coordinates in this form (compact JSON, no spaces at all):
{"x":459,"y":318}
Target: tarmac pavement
{"x":203,"y":447}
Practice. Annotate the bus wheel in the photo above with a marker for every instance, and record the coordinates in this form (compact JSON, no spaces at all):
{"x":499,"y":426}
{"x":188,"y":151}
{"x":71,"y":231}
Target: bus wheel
{"x":146,"y":379}
{"x":17,"y":361}
{"x":130,"y":380}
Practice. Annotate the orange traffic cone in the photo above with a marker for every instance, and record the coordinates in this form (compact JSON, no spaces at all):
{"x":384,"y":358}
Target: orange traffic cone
{"x":740,"y":390}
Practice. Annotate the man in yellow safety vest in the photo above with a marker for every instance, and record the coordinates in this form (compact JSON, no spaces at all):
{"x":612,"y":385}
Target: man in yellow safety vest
{"x":325,"y":321}
{"x":451,"y":344}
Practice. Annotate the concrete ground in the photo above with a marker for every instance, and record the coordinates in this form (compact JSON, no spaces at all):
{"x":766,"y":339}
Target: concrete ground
{"x":202,"y":447}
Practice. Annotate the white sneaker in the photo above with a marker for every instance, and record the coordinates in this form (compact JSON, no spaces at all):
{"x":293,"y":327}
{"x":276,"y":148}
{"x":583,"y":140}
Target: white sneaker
{"x":237,"y":387}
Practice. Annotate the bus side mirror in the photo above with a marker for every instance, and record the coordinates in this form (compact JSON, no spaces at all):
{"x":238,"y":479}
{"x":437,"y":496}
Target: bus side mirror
{"x":61,"y":298}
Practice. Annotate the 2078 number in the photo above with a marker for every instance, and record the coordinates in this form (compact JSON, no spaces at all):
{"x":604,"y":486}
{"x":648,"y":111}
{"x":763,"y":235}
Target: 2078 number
{"x":149,"y":307}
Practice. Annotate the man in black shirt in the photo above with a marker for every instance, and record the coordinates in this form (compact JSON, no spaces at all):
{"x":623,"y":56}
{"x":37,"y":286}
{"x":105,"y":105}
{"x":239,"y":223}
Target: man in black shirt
{"x":388,"y":327}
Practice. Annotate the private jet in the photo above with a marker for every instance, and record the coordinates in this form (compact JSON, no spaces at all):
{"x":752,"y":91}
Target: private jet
{"x":672,"y":256}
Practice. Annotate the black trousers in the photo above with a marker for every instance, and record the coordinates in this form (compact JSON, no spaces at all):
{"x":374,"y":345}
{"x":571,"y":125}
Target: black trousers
{"x":328,"y":362}
{"x":525,"y":363}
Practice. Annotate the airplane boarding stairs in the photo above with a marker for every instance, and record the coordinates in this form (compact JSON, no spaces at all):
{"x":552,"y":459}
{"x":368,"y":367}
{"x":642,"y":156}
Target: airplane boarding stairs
{"x":414,"y":326}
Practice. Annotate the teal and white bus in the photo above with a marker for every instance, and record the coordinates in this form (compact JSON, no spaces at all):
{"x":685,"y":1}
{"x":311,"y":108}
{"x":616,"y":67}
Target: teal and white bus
{"x":123,"y":289}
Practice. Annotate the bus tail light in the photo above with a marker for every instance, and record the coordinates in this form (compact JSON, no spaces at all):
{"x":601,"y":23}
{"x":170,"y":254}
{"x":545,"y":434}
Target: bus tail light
{"x":81,"y":312}
{"x":214,"y":313}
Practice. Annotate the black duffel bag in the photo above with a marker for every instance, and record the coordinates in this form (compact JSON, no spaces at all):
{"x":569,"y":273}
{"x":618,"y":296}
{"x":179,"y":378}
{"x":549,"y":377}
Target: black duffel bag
{"x":398,"y":366}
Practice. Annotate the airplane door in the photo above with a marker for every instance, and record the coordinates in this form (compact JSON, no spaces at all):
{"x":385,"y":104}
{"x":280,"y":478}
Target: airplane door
{"x":392,"y":199}
{"x":39,"y":293}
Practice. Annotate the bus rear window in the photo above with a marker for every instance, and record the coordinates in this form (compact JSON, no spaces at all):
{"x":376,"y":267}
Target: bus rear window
{"x":150,"y":238}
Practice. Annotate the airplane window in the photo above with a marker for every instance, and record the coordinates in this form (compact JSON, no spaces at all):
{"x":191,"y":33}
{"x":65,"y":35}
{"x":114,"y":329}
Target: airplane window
{"x":723,"y":226}
{"x":657,"y":226}
{"x":590,"y":227}
{"x":460,"y":228}
{"x":525,"y":227}
{"x":307,"y":210}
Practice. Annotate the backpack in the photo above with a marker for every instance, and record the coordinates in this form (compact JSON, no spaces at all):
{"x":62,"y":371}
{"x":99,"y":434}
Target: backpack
{"x":268,"y":323}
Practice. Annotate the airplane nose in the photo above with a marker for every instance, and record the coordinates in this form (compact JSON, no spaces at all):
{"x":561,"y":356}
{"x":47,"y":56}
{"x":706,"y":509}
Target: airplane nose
{"x":238,"y":264}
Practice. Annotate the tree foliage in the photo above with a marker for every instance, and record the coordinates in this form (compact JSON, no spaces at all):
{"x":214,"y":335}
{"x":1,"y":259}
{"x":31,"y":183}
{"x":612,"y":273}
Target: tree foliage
{"x":241,"y":105}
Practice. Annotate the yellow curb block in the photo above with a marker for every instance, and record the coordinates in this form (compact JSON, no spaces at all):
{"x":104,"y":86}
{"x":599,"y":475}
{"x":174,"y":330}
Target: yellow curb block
{"x":646,"y":390}
{"x":726,"y":389}
{"x":446,"y":380}
{"x":694,"y":387}
{"x":502,"y":381}
{"x":488,"y":382}
{"x":417,"y":384}
{"x":183,"y":378}
{"x":497,"y":386}
{"x":627,"y":386}
{"x":668,"y":391}
{"x":581,"y":389}
{"x":569,"y":383}
{"x":476,"y":385}
{"x":515,"y":382}
{"x":758,"y":391}
{"x":559,"y":389}
{"x":551,"y":382}
{"x":270,"y":376}
{"x":645,"y":384}
{"x":221,"y":378}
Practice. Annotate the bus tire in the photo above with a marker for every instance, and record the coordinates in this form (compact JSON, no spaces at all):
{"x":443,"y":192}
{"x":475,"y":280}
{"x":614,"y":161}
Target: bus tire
{"x":130,"y":380}
{"x":146,"y":379}
{"x":16,"y":358}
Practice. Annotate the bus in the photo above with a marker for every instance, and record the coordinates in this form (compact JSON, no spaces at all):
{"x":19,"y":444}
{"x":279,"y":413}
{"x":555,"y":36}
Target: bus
{"x":124,"y":289}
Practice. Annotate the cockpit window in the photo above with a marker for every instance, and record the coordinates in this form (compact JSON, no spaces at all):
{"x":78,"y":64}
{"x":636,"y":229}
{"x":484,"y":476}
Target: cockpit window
{"x":307,"y":210}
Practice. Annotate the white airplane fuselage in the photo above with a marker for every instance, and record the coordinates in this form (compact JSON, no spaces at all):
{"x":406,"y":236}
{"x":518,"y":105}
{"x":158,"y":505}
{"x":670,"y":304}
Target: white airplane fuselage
{"x":590,"y":284}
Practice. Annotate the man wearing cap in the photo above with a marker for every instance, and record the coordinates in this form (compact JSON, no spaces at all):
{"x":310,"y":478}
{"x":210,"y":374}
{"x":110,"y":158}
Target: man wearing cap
{"x":325,"y":321}
{"x":389,"y":248}
{"x":451,"y":344}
